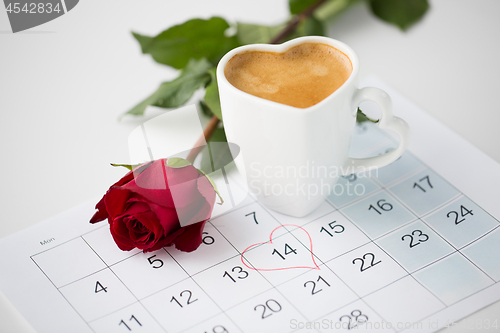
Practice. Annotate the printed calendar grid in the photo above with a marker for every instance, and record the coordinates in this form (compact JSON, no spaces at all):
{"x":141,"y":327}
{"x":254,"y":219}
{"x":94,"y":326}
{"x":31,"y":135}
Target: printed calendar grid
{"x":419,"y":218}
{"x":359,"y":298}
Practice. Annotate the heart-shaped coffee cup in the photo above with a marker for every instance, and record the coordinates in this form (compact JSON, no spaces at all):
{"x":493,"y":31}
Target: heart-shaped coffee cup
{"x":292,"y":157}
{"x":302,"y":76}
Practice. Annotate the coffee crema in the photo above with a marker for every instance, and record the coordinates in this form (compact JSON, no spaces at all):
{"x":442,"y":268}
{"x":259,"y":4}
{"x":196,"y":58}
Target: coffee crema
{"x":301,"y":77}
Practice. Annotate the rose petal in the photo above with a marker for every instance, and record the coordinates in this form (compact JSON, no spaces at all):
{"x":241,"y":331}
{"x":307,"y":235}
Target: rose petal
{"x":120,"y":235}
{"x":152,"y":184}
{"x":177,"y":176}
{"x":134,"y":206}
{"x":116,"y":199}
{"x":191,"y":238}
{"x":207,"y":190}
{"x":101,"y":213}
{"x":195,"y":212}
{"x":131,"y":174}
{"x":167,"y":218}
{"x":156,"y":182}
{"x":163,"y":242}
{"x":184,"y":193}
{"x":151,"y":222}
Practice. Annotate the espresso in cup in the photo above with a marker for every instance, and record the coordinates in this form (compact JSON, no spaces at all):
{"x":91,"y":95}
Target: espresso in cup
{"x":301,"y":77}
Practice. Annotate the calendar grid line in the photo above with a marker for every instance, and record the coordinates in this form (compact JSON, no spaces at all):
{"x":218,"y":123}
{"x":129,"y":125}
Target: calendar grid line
{"x":242,"y":256}
{"x":130,"y":291}
{"x":473,"y":263}
{"x":408,"y":176}
{"x":358,"y":297}
{"x":382,"y":144}
{"x":67,"y":241}
{"x":279,"y":291}
{"x":83,"y":277}
{"x":234,"y":247}
{"x":324,"y":263}
{"x":271,"y":284}
{"x":60,"y":293}
{"x":122,"y":260}
{"x":211,"y":266}
{"x":408,"y":273}
{"x":449,"y":183}
{"x":402,"y":178}
{"x":390,"y":256}
{"x":163,"y":288}
{"x":355,"y":201}
{"x":475,"y":240}
{"x":457,"y":250}
{"x":207,"y":294}
{"x":421,"y":218}
{"x":452,"y":304}
{"x":312,"y":221}
{"x":432,"y":211}
{"x":237,"y":207}
{"x":381,"y":187}
{"x":237,"y":255}
{"x":112,"y":312}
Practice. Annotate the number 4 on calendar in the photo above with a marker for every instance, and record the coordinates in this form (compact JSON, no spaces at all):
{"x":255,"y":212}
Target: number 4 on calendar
{"x":99,"y":287}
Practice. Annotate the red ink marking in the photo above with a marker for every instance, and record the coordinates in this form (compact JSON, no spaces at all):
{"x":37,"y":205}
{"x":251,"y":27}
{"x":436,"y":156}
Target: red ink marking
{"x":270,"y":241}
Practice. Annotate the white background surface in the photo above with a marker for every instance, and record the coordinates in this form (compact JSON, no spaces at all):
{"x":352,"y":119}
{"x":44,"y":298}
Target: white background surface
{"x":63,"y":85}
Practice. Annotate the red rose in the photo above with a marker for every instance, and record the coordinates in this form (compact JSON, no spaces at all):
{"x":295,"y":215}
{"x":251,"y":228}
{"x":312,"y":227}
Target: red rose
{"x":141,"y":212}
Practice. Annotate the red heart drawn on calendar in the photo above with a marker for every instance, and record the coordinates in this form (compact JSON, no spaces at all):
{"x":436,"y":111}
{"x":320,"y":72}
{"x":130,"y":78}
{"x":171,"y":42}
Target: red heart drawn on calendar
{"x":283,"y":252}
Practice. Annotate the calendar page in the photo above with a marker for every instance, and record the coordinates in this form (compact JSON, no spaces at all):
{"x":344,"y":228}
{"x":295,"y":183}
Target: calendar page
{"x":408,"y":247}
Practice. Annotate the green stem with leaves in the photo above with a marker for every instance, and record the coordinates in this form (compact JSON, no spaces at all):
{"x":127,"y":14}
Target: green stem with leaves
{"x":196,"y":46}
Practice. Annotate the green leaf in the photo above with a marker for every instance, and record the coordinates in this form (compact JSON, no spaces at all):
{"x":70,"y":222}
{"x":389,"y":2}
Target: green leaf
{"x":262,"y":34}
{"x":213,"y":185}
{"x":310,"y":27}
{"x":219,"y":135}
{"x":362,"y":117}
{"x":314,"y":27}
{"x":212,"y":95}
{"x":128,"y":166}
{"x":177,"y":162}
{"x":401,"y":13}
{"x":217,"y":153}
{"x":298,"y":6}
{"x":196,"y":38}
{"x":206,"y":110}
{"x":257,"y":34}
{"x":331,"y":9}
{"x":177,"y":92}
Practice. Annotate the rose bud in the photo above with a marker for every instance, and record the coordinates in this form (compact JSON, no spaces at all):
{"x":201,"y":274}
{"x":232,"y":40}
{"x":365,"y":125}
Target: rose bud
{"x":145,"y":209}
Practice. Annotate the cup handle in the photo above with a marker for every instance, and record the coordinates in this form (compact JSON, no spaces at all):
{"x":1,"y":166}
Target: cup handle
{"x":387,"y":121}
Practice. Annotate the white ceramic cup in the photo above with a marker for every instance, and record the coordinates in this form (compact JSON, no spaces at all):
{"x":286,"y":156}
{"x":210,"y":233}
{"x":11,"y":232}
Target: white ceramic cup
{"x":286,"y":150}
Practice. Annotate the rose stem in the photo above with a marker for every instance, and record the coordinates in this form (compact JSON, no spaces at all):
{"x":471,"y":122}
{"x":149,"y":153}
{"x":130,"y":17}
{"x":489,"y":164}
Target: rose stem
{"x":214,"y":121}
{"x":295,"y":21}
{"x":207,"y":134}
